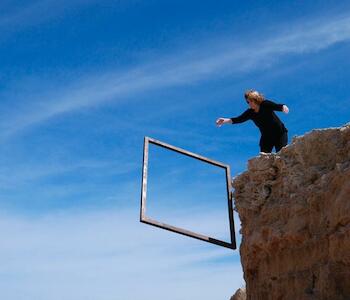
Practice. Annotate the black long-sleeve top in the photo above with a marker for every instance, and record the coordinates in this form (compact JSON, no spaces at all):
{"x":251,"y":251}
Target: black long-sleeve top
{"x":265,"y":119}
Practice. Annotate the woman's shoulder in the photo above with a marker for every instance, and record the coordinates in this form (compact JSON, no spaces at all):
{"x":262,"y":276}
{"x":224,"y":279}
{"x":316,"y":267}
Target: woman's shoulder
{"x":267,"y":102}
{"x":271,"y":105}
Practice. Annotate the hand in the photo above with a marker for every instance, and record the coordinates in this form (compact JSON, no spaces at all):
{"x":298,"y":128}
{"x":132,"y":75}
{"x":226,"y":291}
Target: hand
{"x":285,"y":109}
{"x":222,"y":121}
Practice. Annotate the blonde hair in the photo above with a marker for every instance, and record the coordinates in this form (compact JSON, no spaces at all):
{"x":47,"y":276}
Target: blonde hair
{"x":254,"y":96}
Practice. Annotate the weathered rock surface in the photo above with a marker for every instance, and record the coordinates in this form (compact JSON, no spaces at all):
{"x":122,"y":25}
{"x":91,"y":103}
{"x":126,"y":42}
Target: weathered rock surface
{"x":239,"y":295}
{"x":295,"y":212}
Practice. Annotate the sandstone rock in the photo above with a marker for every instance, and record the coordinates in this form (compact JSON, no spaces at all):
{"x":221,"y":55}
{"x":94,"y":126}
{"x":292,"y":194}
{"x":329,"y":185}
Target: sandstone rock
{"x":239,"y":295}
{"x":295,"y":212}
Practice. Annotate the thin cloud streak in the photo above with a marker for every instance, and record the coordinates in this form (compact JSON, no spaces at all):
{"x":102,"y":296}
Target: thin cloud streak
{"x":15,"y":175}
{"x":93,"y":91}
{"x":35,"y":13}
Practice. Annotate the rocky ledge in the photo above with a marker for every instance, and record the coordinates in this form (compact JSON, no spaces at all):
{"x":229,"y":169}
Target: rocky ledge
{"x":294,"y":208}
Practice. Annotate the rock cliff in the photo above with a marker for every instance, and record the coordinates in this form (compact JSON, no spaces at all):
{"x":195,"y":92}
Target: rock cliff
{"x":294,"y":208}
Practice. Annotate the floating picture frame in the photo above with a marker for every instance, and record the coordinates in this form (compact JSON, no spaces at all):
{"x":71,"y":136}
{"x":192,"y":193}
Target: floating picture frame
{"x":147,"y":220}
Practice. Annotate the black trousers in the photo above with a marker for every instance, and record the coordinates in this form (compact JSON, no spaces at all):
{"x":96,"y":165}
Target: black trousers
{"x":267,"y":143}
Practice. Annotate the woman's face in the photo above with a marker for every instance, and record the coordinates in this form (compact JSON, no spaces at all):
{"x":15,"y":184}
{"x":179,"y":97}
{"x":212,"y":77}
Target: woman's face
{"x":252,"y":104}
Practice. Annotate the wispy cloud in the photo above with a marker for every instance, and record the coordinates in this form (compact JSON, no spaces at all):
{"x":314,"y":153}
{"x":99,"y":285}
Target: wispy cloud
{"x":186,"y":67}
{"x":94,"y":256}
{"x":21,"y":15}
{"x":14,"y":175}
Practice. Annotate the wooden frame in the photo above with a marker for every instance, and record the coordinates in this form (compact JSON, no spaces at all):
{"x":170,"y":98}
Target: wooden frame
{"x":147,"y":220}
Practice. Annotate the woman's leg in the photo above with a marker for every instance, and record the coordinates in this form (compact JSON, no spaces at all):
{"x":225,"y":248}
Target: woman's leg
{"x":282,"y":141}
{"x":266,"y":145}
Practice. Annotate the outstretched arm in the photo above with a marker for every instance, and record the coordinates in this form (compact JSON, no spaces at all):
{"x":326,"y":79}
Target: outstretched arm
{"x":240,"y":119}
{"x":274,"y":106}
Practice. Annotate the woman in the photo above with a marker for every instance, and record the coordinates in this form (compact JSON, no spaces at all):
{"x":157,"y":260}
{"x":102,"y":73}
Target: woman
{"x":261,"y":112}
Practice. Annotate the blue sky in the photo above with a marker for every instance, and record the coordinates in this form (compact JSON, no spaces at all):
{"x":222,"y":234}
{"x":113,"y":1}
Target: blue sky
{"x":81,"y":84}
